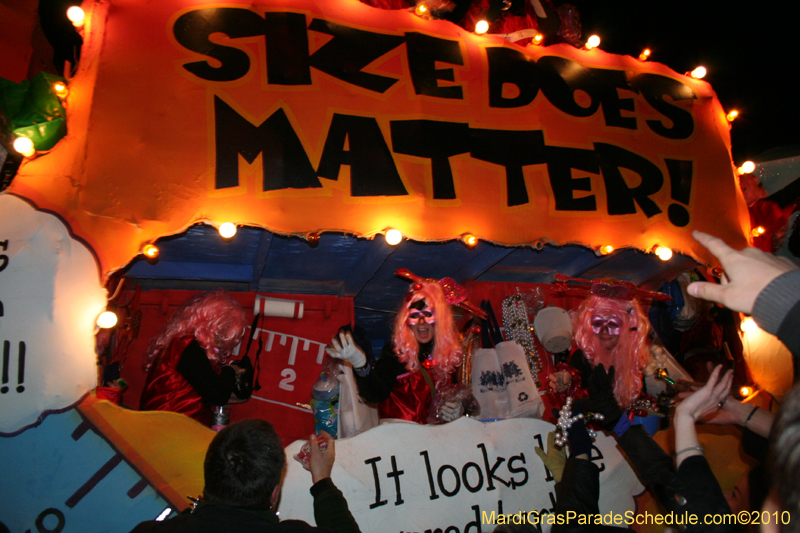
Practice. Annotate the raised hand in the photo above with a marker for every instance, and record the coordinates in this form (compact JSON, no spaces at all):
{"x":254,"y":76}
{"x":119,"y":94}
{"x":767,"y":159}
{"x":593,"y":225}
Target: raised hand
{"x":345,"y":348}
{"x":747,"y":273}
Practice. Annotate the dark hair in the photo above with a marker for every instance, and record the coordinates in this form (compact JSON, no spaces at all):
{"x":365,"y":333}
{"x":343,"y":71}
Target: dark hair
{"x":784,"y":459}
{"x":516,"y":528}
{"x":244,"y":464}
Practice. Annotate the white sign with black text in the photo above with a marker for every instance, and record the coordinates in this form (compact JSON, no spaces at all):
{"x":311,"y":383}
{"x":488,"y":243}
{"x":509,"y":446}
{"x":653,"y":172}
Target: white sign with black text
{"x":454,"y":478}
{"x":50,"y":296}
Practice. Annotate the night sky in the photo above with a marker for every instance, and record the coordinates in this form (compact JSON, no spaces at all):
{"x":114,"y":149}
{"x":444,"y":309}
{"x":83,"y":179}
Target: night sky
{"x":748,"y":55}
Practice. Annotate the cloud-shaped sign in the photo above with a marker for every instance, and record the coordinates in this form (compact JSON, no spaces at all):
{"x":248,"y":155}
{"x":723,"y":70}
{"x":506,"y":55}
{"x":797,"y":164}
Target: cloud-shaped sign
{"x":50,"y":295}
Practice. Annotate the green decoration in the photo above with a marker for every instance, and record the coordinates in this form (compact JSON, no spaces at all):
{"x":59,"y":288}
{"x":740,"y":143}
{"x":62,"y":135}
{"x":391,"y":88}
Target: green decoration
{"x":31,"y":109}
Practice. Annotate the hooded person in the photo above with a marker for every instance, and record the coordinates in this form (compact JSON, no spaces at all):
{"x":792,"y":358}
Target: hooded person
{"x":185,"y":363}
{"x":424,"y":352}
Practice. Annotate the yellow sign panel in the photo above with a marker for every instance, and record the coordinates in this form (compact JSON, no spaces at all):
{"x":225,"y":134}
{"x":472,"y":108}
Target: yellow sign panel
{"x":303,"y":116}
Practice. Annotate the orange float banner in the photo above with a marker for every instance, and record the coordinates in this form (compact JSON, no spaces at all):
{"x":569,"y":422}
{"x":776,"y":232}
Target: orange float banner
{"x":329,"y":115}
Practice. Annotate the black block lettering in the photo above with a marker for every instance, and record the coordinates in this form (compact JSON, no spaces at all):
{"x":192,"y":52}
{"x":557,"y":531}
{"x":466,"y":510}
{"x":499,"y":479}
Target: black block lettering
{"x":285,"y":162}
{"x":507,"y":66}
{"x":513,"y":150}
{"x":423,"y":53}
{"x":620,"y":196}
{"x":437,"y":141}
{"x":287,"y":49}
{"x":654,"y":88}
{"x":372,"y":169}
{"x":351,"y":50}
{"x":192,"y":30}
{"x":560,"y":162}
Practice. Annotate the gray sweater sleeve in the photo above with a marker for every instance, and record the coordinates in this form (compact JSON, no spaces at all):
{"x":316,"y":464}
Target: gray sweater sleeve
{"x":777,"y":309}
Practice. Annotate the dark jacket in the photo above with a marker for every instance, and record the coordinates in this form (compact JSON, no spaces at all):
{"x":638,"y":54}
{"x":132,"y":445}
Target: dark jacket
{"x":578,"y":492}
{"x":691,"y":489}
{"x":330,"y":512}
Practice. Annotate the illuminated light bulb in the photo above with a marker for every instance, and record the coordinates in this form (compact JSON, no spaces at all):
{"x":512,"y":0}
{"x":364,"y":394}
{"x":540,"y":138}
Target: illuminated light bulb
{"x":748,"y":325}
{"x":421,"y":10}
{"x":76,"y":16}
{"x":606,"y":249}
{"x":312,"y":239}
{"x":664,"y":253}
{"x":24,"y":146}
{"x":731,"y":116}
{"x":481,"y":27}
{"x":746,"y":390}
{"x":60,"y":88}
{"x":699,"y":72}
{"x":227,"y":230}
{"x":758,"y":231}
{"x":645,"y":55}
{"x":393,"y":237}
{"x":538,"y":38}
{"x":150,"y":251}
{"x":593,"y":42}
{"x":469,"y":239}
{"x":747,"y":167}
{"x":106,"y":320}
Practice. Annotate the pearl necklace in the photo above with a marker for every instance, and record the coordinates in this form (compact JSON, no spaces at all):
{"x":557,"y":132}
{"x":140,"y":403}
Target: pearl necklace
{"x":515,"y":322}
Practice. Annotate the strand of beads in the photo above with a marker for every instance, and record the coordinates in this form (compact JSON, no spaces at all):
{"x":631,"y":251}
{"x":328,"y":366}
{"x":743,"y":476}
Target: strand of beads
{"x":565,"y":421}
{"x":515,"y":322}
{"x":590,"y":417}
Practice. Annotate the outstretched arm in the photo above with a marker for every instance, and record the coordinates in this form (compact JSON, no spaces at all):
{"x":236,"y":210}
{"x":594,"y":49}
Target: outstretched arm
{"x":330,"y":505}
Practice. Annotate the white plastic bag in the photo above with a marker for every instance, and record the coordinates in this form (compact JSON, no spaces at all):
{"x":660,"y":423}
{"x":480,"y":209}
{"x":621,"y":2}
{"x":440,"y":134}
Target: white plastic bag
{"x":355,"y":416}
{"x":502,"y":383}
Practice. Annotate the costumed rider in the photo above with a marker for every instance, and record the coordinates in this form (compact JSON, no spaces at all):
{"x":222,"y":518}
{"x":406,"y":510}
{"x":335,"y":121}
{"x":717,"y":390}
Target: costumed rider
{"x":186,"y":362}
{"x":424,"y":352}
{"x":610,"y":330}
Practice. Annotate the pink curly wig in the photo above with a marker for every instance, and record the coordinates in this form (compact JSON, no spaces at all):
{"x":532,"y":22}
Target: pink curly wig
{"x":447,"y":348}
{"x":215,"y":319}
{"x":631,"y":354}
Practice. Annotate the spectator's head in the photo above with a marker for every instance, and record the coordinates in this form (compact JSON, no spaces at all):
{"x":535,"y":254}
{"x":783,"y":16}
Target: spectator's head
{"x":749,"y":492}
{"x":244,"y":465}
{"x":784,"y":465}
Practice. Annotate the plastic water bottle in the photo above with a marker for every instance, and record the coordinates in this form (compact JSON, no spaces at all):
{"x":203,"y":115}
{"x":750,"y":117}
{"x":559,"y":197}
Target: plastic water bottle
{"x":325,"y":405}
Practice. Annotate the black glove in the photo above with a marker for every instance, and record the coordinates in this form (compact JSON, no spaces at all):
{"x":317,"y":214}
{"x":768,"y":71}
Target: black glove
{"x":601,"y":397}
{"x":578,"y":436}
{"x":244,"y":381}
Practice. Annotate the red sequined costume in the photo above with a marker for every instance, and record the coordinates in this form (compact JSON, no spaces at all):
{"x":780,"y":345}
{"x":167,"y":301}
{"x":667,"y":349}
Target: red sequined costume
{"x":399,"y":393}
{"x":405,"y":377}
{"x":185,"y":381}
{"x":184,"y":363}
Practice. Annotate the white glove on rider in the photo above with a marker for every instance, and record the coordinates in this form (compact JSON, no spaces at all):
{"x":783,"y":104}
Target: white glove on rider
{"x":452,"y":411}
{"x":345,"y":348}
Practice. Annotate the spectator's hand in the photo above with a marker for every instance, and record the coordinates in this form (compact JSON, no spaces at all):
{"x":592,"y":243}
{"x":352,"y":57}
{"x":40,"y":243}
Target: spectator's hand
{"x":555,"y":458}
{"x":345,"y":348}
{"x":706,"y":400}
{"x":452,"y":411}
{"x":559,"y":381}
{"x":747,"y":273}
{"x":601,"y":396}
{"x":322,"y":456}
